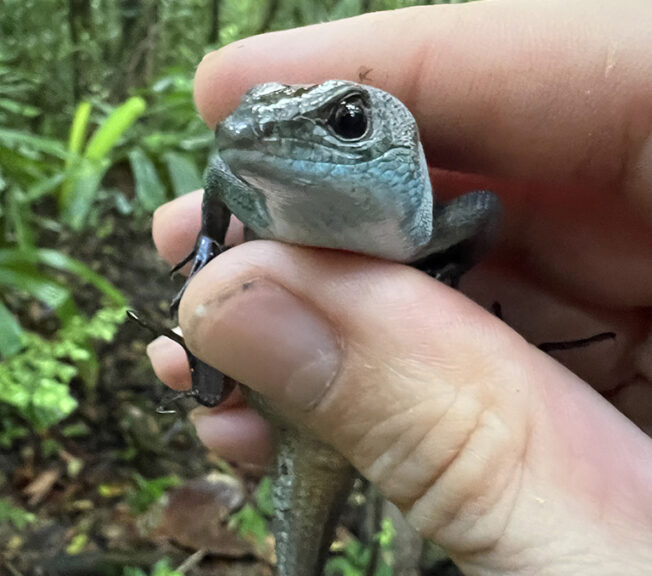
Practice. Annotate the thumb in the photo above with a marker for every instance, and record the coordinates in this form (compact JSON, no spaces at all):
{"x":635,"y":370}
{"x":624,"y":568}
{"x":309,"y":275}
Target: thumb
{"x":487,"y":445}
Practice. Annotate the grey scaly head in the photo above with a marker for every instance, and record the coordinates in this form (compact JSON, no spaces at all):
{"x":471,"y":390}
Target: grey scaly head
{"x":336,"y":165}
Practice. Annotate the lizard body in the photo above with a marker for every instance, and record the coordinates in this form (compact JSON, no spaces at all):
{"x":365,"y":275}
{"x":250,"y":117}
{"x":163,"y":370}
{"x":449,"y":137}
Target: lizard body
{"x":334,"y":165}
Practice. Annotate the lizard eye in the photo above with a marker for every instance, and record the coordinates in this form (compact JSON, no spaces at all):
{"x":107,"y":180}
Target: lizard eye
{"x":348,"y":119}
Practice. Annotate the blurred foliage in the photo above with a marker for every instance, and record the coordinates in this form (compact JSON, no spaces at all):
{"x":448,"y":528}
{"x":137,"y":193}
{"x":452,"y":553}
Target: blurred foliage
{"x":97,"y":122}
{"x":251,"y":522}
{"x":35,"y":382}
{"x":357,"y":557}
{"x":148,"y":491}
{"x":18,"y":517}
{"x":161,"y":568}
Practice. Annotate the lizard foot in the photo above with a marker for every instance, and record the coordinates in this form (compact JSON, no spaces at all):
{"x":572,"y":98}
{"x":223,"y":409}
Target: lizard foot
{"x":209,"y":386}
{"x":448,"y":266}
{"x":205,"y":250}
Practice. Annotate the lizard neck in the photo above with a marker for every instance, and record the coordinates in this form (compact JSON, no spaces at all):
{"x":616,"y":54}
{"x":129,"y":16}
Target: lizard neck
{"x":381,"y":208}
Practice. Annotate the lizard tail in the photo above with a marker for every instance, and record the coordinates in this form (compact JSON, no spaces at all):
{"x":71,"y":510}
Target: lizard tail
{"x":311,"y":486}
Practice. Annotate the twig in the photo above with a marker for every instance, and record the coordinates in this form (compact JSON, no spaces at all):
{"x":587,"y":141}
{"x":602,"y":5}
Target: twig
{"x":192,"y":561}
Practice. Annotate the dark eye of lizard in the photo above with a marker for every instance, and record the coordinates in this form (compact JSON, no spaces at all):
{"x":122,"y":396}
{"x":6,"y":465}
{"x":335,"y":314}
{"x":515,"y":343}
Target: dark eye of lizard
{"x":348,"y":119}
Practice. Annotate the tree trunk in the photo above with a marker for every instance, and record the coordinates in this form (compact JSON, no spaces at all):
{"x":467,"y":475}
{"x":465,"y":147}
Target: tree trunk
{"x":79,"y":20}
{"x":214,"y":34}
{"x":140,"y":29}
{"x":268,"y":16}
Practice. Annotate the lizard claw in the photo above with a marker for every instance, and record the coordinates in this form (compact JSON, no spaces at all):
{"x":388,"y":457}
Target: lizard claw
{"x":205,"y":250}
{"x":183,"y":262}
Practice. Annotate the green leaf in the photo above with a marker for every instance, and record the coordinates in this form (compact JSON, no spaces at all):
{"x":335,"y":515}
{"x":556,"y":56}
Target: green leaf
{"x":163,"y":568}
{"x":133,"y":571}
{"x":36,"y":284}
{"x":10,"y":333}
{"x":43,"y":188}
{"x":264,"y":497}
{"x":77,"y":545}
{"x":149,"y":491}
{"x":387,"y":534}
{"x":18,"y":214}
{"x":250,"y":525}
{"x":19,"y":108}
{"x":35,"y":383}
{"x":107,"y":135}
{"x":38,"y":388}
{"x":183,"y":173}
{"x":79,"y":191}
{"x":46,"y":145}
{"x":78,"y":128}
{"x":17,"y":516}
{"x":21,"y":167}
{"x":60,"y":261}
{"x":149,"y":189}
{"x":23,"y":262}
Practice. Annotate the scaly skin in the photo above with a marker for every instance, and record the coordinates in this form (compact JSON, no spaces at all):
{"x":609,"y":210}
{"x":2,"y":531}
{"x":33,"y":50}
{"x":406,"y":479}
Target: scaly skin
{"x":311,"y":483}
{"x":335,"y":165}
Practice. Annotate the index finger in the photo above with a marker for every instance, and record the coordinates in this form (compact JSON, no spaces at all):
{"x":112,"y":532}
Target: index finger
{"x":547,"y":92}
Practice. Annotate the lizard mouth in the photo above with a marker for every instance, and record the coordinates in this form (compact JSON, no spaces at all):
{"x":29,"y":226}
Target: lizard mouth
{"x":234,"y":135}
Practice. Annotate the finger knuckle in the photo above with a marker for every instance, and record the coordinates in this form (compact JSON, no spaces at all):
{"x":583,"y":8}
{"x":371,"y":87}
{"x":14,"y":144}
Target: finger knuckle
{"x":453,"y":462}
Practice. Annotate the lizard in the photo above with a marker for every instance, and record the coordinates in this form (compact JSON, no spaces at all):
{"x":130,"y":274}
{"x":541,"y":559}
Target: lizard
{"x":335,"y":165}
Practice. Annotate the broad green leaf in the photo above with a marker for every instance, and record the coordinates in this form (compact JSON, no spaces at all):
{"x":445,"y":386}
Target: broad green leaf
{"x":10,"y":333}
{"x":106,"y":136}
{"x":36,"y":284}
{"x":149,"y":190}
{"x":183,"y":173}
{"x":78,"y":128}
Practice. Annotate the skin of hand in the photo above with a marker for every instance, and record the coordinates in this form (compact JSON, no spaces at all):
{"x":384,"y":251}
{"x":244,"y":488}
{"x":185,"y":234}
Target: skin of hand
{"x":502,"y":454}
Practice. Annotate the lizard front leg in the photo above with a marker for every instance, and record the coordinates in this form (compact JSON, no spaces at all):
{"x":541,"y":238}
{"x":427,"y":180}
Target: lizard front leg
{"x":209,"y":385}
{"x":215,"y":218}
{"x":462,"y":232}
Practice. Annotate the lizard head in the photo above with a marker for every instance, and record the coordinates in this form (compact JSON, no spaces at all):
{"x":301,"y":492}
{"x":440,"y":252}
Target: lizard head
{"x":337,"y":121}
{"x":338,"y":164}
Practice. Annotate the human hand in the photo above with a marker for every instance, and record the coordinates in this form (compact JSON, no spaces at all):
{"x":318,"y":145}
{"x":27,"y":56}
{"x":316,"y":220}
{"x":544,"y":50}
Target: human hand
{"x":489,"y":446}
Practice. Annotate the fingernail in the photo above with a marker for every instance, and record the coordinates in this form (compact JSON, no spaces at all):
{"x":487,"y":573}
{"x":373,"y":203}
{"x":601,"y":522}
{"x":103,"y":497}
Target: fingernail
{"x":270,"y":340}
